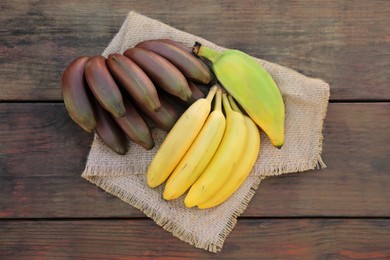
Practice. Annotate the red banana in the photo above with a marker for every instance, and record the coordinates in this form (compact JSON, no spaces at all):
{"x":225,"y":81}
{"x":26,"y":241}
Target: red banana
{"x":103,"y":86}
{"x":75,"y":92}
{"x":161,"y":72}
{"x":177,"y":44}
{"x":109,"y":132}
{"x":132,"y":78}
{"x":135,"y":126}
{"x":167,"y":116}
{"x":190,"y":65}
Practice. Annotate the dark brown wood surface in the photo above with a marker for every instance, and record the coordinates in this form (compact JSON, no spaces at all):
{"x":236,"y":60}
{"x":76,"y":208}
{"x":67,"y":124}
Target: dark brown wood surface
{"x":251,"y":239}
{"x":355,"y":182}
{"x":342,"y":212}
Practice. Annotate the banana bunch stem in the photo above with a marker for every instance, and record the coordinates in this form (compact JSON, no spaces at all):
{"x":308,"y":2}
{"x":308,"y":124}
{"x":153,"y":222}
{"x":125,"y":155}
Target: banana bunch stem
{"x":206,"y":52}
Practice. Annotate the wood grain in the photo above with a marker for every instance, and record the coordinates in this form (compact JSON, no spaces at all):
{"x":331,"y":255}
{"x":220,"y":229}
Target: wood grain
{"x":346,"y":43}
{"x":47,"y":211}
{"x":42,"y":154}
{"x":250,"y":239}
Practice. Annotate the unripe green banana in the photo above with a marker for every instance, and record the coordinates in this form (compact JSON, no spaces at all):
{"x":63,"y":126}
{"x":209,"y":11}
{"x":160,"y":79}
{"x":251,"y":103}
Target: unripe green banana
{"x":163,"y":73}
{"x":109,"y":132}
{"x":134,"y":80}
{"x":135,"y":126}
{"x":191,"y":66}
{"x":252,"y":86}
{"x":103,"y":86}
{"x":77,"y":96}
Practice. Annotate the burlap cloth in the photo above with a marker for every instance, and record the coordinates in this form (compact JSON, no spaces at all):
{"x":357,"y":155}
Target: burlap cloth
{"x":306,"y":101}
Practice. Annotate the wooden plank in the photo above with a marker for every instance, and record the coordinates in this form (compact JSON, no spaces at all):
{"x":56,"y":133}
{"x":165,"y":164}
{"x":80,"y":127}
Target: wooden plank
{"x":250,"y":239}
{"x":345,"y":43}
{"x":42,"y":154}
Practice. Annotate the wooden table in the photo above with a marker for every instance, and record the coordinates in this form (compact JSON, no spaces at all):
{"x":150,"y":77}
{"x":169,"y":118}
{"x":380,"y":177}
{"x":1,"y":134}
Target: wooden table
{"x":47,"y":211}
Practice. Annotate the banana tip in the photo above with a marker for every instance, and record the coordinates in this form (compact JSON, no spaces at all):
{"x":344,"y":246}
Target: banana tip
{"x":168,"y":196}
{"x":188,"y":203}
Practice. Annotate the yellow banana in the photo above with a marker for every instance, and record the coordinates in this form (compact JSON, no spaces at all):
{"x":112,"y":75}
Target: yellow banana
{"x":179,"y":139}
{"x":199,"y":154}
{"x":241,"y":171}
{"x":251,"y":86}
{"x":225,"y":158}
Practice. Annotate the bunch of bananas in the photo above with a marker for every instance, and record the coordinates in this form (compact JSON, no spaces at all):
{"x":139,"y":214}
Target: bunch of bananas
{"x":209,"y":154}
{"x":212,"y":145}
{"x":118,"y":96}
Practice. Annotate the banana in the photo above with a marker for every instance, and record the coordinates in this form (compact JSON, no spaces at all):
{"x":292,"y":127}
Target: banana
{"x":163,"y":73}
{"x":190,"y":65}
{"x":109,"y":132}
{"x":225,"y":158}
{"x":166,"y":117}
{"x":135,"y":126}
{"x":132,"y":78}
{"x":196,"y":92}
{"x":176,"y":43}
{"x":178,"y":140}
{"x":199,"y":154}
{"x":76,"y":94}
{"x":241,"y":171}
{"x":103,"y":86}
{"x":251,"y":86}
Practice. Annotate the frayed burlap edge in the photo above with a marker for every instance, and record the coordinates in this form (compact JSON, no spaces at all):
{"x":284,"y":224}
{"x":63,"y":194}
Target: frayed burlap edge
{"x":179,"y":232}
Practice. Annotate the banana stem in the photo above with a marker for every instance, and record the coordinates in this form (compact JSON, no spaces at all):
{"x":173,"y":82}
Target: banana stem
{"x":205,"y":52}
{"x":226,"y":104}
{"x":233,"y":104}
{"x":211,"y":93}
{"x":218,"y":98}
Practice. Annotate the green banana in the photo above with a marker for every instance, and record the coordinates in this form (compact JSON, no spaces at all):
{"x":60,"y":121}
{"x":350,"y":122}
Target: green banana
{"x":251,"y":86}
{"x":190,"y":65}
{"x":103,"y":86}
{"x":135,"y":126}
{"x":163,"y":73}
{"x":132,"y":78}
{"x":77,"y":96}
{"x":109,"y":132}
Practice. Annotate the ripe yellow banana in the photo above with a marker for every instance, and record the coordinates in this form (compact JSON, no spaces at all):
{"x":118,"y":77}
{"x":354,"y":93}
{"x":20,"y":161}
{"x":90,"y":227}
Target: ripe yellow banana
{"x":179,"y":139}
{"x":253,"y":88}
{"x":199,"y":154}
{"x":225,"y":158}
{"x":241,"y":171}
